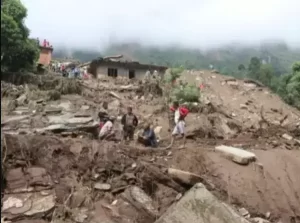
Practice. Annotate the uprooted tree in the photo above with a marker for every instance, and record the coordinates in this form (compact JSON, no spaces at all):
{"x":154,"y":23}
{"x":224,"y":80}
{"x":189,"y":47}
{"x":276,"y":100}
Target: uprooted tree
{"x":17,"y":50}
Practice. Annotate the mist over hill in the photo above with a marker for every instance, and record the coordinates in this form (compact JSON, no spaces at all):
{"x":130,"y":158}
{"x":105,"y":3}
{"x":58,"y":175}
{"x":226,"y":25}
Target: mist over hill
{"x":226,"y":59}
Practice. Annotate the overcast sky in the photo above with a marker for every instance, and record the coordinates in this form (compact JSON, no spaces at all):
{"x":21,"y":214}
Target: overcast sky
{"x":196,"y":23}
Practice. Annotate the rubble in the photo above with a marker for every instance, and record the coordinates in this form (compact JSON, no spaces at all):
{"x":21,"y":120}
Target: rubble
{"x":56,"y":169}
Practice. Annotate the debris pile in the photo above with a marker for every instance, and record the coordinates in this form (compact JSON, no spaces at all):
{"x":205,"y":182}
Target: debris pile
{"x":239,"y":157}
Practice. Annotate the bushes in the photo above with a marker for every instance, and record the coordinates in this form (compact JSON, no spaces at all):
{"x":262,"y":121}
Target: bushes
{"x":188,"y":93}
{"x":182,"y":92}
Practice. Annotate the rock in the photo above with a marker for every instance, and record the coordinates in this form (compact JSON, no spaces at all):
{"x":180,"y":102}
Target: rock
{"x":259,"y":220}
{"x":14,"y":119}
{"x":80,"y":215}
{"x":287,"y":136}
{"x":184,"y":177}
{"x":21,"y":100}
{"x":237,"y":155}
{"x":140,"y":200}
{"x":114,"y":105}
{"x":199,"y":205}
{"x":243,"y":106}
{"x":55,"y":127}
{"x":17,"y":181}
{"x":28,"y":204}
{"x":129,"y":176}
{"x":52,"y":111}
{"x":62,"y":119}
{"x":178,"y":196}
{"x":85,"y":107}
{"x":268,"y":215}
{"x":79,"y":120}
{"x":243,"y":212}
{"x":65,"y":105}
{"x":115,"y":95}
{"x":102,"y":186}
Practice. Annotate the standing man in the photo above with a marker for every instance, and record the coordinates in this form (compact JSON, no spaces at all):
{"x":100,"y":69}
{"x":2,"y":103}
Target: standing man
{"x":129,"y":122}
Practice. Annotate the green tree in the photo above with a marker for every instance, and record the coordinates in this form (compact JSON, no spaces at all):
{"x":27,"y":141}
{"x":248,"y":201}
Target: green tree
{"x":289,"y":86}
{"x":241,"y":67}
{"x":17,"y":50}
{"x":254,"y":68}
{"x":266,"y":73}
{"x":296,"y":67}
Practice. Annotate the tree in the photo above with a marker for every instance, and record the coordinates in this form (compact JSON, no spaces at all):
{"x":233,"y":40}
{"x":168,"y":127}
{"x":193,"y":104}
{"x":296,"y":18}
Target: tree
{"x":266,"y":73}
{"x":254,"y":68}
{"x":17,"y":50}
{"x":241,"y":67}
{"x":289,"y":86}
{"x":296,"y":67}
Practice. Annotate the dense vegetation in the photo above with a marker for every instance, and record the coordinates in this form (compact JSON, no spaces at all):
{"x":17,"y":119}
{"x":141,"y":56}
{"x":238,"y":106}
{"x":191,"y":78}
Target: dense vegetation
{"x":17,"y":50}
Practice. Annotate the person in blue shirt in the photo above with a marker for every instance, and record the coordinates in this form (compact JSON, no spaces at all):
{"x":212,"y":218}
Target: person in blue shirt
{"x":148,"y":137}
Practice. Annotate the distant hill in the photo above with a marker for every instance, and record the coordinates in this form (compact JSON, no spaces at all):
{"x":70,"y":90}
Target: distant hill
{"x":226,"y":59}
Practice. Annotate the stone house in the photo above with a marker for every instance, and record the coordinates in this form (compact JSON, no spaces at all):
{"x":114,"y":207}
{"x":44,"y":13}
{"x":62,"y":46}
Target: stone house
{"x":120,"y":66}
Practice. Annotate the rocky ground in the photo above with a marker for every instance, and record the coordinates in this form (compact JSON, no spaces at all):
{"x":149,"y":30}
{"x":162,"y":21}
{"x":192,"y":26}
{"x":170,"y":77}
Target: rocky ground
{"x":55,"y":170}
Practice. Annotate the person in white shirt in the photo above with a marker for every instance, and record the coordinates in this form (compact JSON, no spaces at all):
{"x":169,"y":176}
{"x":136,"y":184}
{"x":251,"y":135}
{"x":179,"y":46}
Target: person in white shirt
{"x":107,"y":131}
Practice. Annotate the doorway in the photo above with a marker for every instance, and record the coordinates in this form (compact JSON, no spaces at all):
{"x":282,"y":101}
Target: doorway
{"x":131,"y":74}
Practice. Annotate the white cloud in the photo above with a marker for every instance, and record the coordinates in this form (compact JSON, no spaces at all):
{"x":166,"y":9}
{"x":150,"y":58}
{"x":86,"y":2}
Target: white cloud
{"x":197,"y":23}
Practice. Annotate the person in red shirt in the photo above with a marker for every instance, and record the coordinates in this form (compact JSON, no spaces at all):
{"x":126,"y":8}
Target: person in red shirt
{"x":178,"y":117}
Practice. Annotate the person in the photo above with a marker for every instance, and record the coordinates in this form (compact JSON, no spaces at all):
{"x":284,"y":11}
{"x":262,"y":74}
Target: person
{"x":179,"y":114}
{"x":148,"y":137}
{"x":107,"y":132}
{"x":129,"y":122}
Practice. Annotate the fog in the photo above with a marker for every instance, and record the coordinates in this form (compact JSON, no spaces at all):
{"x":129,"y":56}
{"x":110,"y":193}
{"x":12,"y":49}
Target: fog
{"x":190,"y":23}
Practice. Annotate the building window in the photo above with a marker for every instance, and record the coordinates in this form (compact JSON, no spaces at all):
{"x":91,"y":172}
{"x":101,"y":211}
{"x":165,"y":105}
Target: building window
{"x":131,"y":74}
{"x":112,"y":72}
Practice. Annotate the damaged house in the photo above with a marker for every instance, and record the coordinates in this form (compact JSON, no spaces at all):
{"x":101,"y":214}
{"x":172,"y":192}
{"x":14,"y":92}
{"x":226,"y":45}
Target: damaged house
{"x":120,"y":66}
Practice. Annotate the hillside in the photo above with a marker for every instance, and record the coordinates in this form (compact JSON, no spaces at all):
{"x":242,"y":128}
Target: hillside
{"x":225,"y":59}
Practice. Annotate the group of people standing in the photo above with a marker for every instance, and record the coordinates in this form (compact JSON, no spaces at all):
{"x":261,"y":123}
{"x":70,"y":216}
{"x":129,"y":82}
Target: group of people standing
{"x":130,"y":122}
{"x":69,"y":71}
